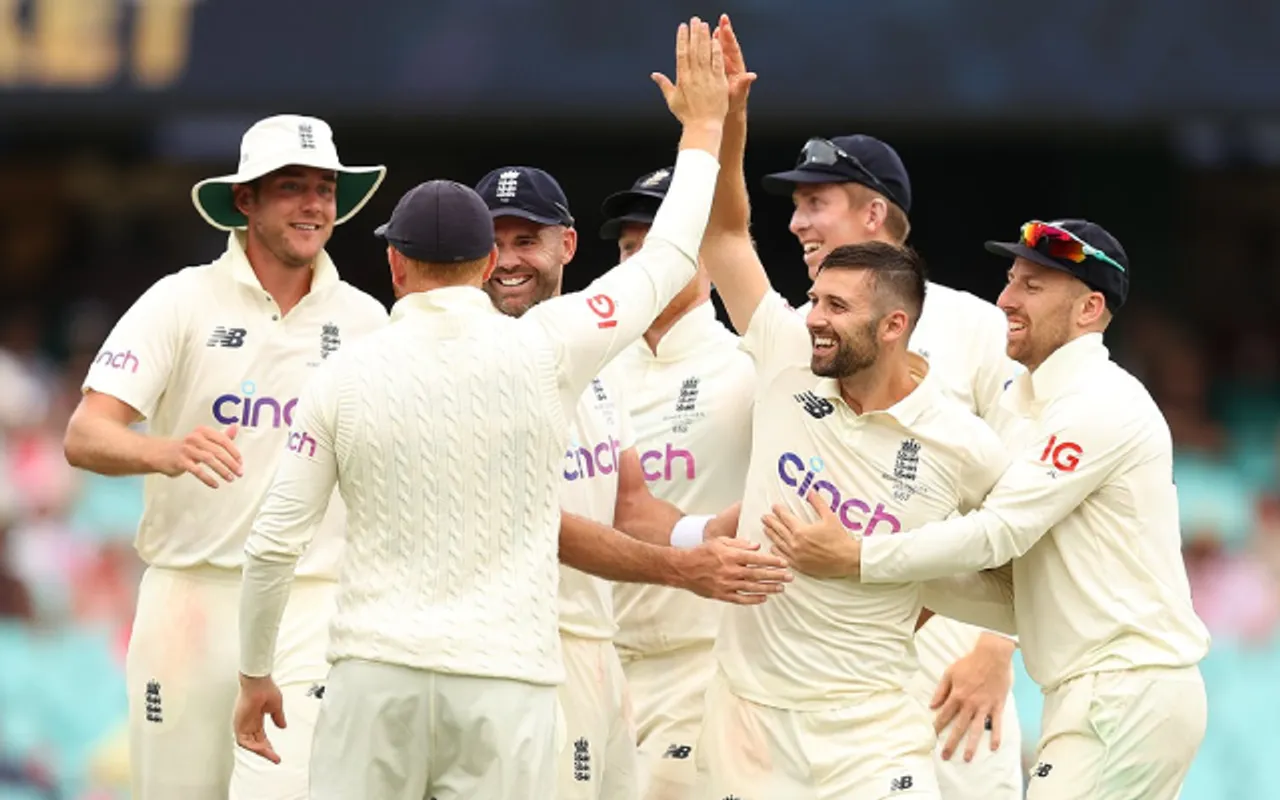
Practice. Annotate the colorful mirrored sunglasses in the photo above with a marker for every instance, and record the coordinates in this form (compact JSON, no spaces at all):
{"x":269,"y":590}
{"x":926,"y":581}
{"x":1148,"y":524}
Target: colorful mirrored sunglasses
{"x":1059,"y":243}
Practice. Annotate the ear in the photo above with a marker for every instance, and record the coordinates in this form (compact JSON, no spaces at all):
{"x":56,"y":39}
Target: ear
{"x":242,"y":198}
{"x":894,"y":326}
{"x":877,"y":209}
{"x":570,"y":244}
{"x":1092,"y":309}
{"x":399,"y":271}
{"x":491,"y":265}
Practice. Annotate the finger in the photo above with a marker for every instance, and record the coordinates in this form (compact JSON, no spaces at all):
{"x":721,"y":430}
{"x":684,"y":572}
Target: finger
{"x":717,"y":59}
{"x":791,"y":521}
{"x":194,"y":468}
{"x":781,"y":544}
{"x":942,"y":692}
{"x":774,"y":526}
{"x":976,"y":727}
{"x":758,"y":561}
{"x":207,"y":454}
{"x":231,"y":432}
{"x":701,"y":45}
{"x":664,"y":84}
{"x":946,"y":713}
{"x":729,"y":44}
{"x":277,"y":717}
{"x":682,"y":54}
{"x":993,"y":723}
{"x":759,"y":587}
{"x":737,"y":544}
{"x":227,"y":441}
{"x":257,"y":743}
{"x":742,"y":599}
{"x":821,"y":506}
{"x":227,"y":457}
{"x":771,"y":574}
{"x":959,"y":727}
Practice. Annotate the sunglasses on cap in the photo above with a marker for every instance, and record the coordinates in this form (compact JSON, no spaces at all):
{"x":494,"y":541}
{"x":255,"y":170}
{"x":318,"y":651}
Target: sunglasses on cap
{"x":1059,"y":243}
{"x":826,"y":153}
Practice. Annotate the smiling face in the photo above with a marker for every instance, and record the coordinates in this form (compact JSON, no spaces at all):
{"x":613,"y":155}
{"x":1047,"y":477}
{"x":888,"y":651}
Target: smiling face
{"x":843,"y":323}
{"x":291,"y":213}
{"x":531,"y":259}
{"x":1046,"y":308}
{"x":824,"y":219}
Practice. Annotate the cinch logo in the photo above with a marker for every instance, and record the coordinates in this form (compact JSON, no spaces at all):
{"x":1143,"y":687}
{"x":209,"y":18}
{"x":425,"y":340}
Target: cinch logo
{"x":663,"y":471}
{"x":584,"y":462}
{"x":794,"y":472}
{"x":117,"y":360}
{"x":246,"y":410}
{"x":298,"y":440}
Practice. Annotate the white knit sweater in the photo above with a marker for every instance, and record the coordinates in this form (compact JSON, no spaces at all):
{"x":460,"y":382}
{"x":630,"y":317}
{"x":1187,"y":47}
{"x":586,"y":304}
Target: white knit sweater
{"x":444,"y":433}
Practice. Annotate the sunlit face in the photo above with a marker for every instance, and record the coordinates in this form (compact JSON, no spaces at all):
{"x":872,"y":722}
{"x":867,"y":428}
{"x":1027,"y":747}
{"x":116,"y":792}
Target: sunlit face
{"x":1041,"y":305}
{"x":531,"y":259}
{"x":843,"y":323}
{"x":631,"y":239}
{"x":823,"y":220}
{"x":291,"y":215}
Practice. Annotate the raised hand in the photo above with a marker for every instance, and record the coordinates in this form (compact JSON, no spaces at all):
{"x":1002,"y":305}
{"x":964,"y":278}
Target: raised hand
{"x":735,"y":68}
{"x":700,"y":93}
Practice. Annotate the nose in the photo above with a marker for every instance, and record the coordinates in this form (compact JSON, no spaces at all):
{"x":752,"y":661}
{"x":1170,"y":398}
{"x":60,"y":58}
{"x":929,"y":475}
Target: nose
{"x":798,"y":222}
{"x":507,"y":257}
{"x":1007,"y":301}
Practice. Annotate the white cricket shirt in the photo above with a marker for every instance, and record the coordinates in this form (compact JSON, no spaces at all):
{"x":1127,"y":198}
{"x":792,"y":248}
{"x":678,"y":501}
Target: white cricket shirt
{"x":208,"y":346}
{"x":598,"y":434}
{"x":824,"y":642}
{"x":690,"y":406}
{"x":446,"y":434}
{"x":1089,"y":512}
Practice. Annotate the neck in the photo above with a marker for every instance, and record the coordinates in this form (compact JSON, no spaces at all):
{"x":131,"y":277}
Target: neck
{"x":879,"y":386}
{"x":287,"y":285}
{"x":697,"y":294}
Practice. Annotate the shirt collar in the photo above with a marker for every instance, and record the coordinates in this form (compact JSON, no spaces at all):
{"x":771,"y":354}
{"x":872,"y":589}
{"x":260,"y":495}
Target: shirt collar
{"x":1057,"y":373}
{"x":689,"y":333}
{"x":907,"y":410}
{"x":236,"y":262}
{"x":443,"y":300}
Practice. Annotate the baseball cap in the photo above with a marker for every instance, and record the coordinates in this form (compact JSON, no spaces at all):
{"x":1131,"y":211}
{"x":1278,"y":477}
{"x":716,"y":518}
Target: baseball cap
{"x":847,"y":159}
{"x":637,"y":204}
{"x":440,"y":222}
{"x":1076,"y":246}
{"x":525,"y":192}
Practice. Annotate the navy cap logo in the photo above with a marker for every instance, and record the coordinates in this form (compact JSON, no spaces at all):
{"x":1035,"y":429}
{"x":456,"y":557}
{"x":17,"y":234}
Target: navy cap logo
{"x":656,"y":178}
{"x":506,"y":188}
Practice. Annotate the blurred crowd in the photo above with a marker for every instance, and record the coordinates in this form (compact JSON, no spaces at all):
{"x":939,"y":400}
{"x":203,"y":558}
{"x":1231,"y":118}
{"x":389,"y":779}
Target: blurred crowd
{"x":68,"y":573}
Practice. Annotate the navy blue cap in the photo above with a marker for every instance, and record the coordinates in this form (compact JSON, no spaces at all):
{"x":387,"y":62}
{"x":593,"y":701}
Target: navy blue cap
{"x":848,"y":159}
{"x":1112,"y":280}
{"x":637,"y":204}
{"x":525,"y":192}
{"x":440,"y":222}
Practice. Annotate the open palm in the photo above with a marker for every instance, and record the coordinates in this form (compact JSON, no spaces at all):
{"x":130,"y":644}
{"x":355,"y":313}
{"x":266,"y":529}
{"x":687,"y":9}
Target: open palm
{"x":735,"y":67}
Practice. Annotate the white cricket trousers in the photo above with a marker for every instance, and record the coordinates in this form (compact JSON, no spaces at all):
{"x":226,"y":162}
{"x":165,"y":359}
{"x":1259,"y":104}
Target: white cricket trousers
{"x":388,"y":732}
{"x":182,"y":675}
{"x":1122,"y":735}
{"x":598,"y":760}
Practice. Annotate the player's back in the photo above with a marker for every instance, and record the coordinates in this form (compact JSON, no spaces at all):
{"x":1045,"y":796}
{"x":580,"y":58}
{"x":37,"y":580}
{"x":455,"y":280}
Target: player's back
{"x":451,"y":438}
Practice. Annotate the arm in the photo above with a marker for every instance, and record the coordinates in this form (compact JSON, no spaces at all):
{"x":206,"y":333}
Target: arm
{"x":1076,"y":449}
{"x":286,"y":523}
{"x":724,"y":569}
{"x":982,"y":598}
{"x":727,"y":249}
{"x":642,"y":516}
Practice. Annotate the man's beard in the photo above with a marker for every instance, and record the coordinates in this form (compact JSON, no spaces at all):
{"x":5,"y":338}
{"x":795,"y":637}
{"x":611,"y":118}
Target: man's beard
{"x":853,"y":355}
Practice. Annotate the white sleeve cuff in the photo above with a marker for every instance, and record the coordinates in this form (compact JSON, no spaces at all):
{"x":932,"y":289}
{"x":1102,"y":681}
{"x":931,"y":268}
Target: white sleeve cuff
{"x":688,"y":531}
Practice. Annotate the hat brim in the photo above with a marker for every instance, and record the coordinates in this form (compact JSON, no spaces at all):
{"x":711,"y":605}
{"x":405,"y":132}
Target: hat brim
{"x":616,"y":204}
{"x":1017,"y":250}
{"x":612,"y":228}
{"x":784,"y":183}
{"x":214,"y":198}
{"x":529,"y":215}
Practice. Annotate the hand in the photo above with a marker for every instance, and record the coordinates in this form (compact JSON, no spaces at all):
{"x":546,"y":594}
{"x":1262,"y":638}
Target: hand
{"x":723,"y":525}
{"x":203,"y":446}
{"x":700,"y":94}
{"x":823,"y":549}
{"x":735,"y":68}
{"x":259,"y":698}
{"x":972,"y":691}
{"x":730,"y":570}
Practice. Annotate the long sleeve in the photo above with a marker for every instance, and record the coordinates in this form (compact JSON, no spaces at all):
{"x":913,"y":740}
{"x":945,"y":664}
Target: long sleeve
{"x":1077,"y":447}
{"x":592,"y":326}
{"x":286,"y":523}
{"x":982,"y":598}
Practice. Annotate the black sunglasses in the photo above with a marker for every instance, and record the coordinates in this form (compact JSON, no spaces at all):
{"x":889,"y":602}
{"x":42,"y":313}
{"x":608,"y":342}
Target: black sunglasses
{"x":825,"y":153}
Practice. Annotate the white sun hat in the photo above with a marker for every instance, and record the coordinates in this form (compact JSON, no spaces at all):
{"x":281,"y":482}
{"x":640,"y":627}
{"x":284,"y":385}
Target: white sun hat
{"x":281,"y":141}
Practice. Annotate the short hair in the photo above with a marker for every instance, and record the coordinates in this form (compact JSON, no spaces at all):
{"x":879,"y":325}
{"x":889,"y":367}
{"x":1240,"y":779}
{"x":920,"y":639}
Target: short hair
{"x":896,"y":222}
{"x":897,"y":271}
{"x":447,"y":272}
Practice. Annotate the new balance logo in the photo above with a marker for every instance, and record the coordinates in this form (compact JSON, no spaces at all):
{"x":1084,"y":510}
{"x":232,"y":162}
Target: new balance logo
{"x":316,"y":691}
{"x":1042,"y":770}
{"x":226,"y":337}
{"x":901,"y":784}
{"x":154,"y":712}
{"x":818,"y":407}
{"x":680,"y":751}
{"x":581,"y":760}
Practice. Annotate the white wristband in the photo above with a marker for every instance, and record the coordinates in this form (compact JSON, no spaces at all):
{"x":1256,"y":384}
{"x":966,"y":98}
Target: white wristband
{"x":687,"y":532}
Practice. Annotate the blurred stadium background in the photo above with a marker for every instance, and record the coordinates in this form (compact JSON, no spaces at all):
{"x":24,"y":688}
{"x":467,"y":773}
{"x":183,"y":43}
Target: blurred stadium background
{"x":1158,"y":118}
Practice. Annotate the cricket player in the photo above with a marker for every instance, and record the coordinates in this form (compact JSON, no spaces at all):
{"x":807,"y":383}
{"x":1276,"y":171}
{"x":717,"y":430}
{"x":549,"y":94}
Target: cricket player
{"x":1088,"y":515}
{"x":689,"y":388}
{"x":603,"y":481}
{"x":213,"y":358}
{"x":446,"y":434}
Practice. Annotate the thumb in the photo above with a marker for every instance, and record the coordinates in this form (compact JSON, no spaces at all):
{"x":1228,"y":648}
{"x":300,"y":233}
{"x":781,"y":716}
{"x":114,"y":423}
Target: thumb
{"x":664,"y":83}
{"x":277,"y":716}
{"x":819,"y":505}
{"x":738,"y":544}
{"x":232,"y":430}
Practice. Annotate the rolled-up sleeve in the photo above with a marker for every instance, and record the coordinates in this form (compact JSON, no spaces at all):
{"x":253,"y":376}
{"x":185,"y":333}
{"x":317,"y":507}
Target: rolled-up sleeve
{"x":287,"y":521}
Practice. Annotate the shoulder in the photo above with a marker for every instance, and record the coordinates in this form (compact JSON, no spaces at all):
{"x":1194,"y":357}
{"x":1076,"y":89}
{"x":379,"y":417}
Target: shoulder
{"x":968,"y":434}
{"x":359,"y":306}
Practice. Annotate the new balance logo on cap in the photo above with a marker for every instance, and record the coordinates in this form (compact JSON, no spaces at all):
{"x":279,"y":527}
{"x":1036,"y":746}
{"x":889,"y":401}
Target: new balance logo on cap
{"x":226,"y":337}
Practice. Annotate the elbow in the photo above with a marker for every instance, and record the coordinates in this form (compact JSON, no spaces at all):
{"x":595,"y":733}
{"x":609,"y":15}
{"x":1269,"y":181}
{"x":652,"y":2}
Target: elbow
{"x":73,"y":445}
